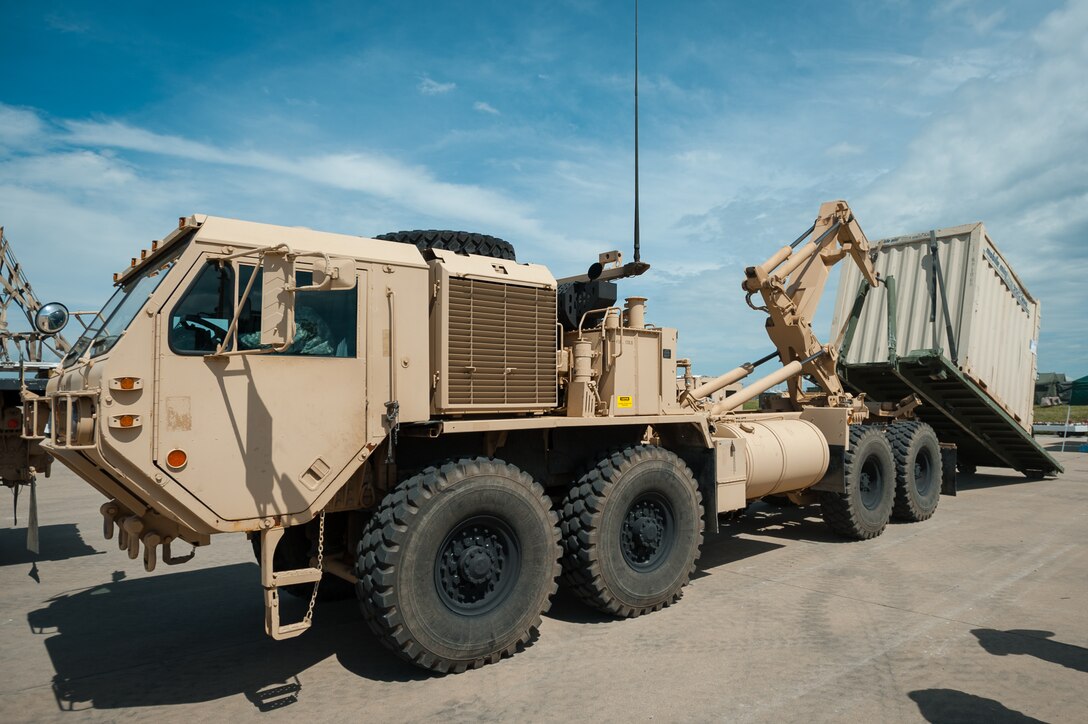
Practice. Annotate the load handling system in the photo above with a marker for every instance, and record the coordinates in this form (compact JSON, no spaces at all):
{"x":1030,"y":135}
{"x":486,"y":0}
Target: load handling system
{"x":424,"y":422}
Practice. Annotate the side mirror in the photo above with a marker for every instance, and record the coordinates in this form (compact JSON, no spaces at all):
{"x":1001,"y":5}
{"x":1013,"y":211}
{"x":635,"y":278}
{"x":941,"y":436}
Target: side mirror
{"x":334,"y":273}
{"x":51,"y":318}
{"x":277,"y":301}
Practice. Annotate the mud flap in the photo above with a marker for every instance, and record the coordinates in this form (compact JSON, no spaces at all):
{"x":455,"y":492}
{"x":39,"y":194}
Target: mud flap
{"x":948,"y":469}
{"x":32,"y":520}
{"x":834,"y":481}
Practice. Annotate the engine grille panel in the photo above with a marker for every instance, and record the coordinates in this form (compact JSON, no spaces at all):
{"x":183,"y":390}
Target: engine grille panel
{"x":501,"y":345}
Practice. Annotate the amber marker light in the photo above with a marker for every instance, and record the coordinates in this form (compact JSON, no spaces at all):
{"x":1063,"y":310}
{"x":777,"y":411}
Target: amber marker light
{"x":127,"y":383}
{"x":126,"y":420}
{"x":176,"y":459}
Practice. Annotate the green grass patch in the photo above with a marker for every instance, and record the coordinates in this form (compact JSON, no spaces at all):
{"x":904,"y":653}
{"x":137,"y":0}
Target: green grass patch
{"x":754,"y":405}
{"x":1058,"y":412}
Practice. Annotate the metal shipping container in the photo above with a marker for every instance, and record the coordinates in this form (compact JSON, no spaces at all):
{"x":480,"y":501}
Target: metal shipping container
{"x":983,"y":321}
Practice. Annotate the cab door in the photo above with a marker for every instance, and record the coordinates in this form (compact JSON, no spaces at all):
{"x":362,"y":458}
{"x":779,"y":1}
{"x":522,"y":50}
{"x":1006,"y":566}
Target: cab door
{"x":254,"y":435}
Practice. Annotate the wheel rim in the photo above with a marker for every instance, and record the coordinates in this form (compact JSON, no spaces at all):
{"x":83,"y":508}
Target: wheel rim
{"x":872,"y":483}
{"x":477,"y":566}
{"x":924,"y":471}
{"x":648,"y":532}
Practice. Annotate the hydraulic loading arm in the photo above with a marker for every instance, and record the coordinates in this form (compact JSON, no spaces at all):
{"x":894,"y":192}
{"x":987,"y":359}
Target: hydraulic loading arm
{"x":791,"y":283}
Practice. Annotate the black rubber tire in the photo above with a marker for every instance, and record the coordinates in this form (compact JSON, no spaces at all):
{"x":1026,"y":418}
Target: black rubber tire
{"x":863,"y":511}
{"x":294,"y":551}
{"x":918,"y":470}
{"x":400,"y":563}
{"x":458,"y":241}
{"x":600,"y":560}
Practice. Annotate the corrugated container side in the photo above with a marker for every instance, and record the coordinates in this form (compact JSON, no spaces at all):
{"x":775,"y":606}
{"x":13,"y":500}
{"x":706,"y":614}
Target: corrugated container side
{"x":994,"y":320}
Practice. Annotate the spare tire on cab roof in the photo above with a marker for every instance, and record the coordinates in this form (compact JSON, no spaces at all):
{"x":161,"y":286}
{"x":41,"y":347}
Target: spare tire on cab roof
{"x":463,"y":242}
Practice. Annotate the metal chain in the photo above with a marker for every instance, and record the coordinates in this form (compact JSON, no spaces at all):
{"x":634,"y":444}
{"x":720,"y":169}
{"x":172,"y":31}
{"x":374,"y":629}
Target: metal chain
{"x":320,"y":560}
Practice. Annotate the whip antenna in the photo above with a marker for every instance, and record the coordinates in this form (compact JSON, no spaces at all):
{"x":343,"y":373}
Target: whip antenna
{"x":636,"y":134}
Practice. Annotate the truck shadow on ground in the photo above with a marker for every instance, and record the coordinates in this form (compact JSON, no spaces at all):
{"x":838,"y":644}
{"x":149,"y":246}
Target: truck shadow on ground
{"x":1033,"y":643}
{"x":788,"y":522}
{"x":55,"y":542}
{"x":979,"y":481}
{"x":718,"y":549}
{"x":944,"y":706}
{"x":194,"y":637}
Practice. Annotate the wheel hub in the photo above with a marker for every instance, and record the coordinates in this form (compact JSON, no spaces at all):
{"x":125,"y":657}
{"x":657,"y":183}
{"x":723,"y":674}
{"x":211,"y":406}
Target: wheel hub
{"x":871,"y":484}
{"x":476,"y":566}
{"x":647,"y":532}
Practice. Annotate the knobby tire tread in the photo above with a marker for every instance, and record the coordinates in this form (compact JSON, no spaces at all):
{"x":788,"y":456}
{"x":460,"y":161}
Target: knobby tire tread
{"x":580,"y":512}
{"x":457,"y":241}
{"x":901,"y":435}
{"x":387,"y":530}
{"x":835,"y":508}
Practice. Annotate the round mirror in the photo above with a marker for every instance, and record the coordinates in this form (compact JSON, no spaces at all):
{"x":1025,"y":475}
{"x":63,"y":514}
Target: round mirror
{"x":51,"y":318}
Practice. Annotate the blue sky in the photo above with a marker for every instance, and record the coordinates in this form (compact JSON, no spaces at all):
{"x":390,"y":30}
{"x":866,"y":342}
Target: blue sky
{"x":515,"y":119}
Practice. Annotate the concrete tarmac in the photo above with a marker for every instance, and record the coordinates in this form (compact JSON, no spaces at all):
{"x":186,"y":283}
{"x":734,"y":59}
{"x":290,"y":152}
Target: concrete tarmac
{"x":979,"y":614}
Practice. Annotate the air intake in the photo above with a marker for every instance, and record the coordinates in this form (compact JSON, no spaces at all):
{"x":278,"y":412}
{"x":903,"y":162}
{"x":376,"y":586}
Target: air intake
{"x":495,"y":338}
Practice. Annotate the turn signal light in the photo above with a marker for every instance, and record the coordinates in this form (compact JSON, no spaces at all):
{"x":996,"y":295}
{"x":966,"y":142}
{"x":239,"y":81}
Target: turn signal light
{"x":176,"y":459}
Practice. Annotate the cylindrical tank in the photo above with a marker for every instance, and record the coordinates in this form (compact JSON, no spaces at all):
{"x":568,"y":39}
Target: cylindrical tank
{"x":636,"y":312}
{"x":583,"y":361}
{"x":782,"y":455}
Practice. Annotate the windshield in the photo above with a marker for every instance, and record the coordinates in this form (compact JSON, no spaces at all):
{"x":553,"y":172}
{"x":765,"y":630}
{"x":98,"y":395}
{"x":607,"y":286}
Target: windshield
{"x":110,"y":324}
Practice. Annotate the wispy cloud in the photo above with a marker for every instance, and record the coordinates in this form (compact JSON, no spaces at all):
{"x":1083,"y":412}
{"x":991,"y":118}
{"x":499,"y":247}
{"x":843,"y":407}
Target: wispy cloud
{"x":373,"y":174}
{"x":843,"y":150}
{"x":430,"y":87}
{"x":17,"y":125}
{"x":483,"y":107}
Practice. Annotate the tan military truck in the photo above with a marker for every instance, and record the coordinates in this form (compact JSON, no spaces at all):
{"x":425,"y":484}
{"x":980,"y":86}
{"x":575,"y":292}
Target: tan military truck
{"x":452,"y":431}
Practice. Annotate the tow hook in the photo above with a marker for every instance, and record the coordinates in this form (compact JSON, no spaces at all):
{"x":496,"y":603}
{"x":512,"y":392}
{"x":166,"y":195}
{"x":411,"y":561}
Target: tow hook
{"x":132,"y":531}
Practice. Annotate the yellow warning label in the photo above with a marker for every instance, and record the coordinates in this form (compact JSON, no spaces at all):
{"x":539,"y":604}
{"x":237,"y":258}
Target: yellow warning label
{"x":625,"y":401}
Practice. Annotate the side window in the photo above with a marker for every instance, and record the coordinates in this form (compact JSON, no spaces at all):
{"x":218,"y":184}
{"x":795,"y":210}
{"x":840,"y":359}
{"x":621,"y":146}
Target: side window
{"x":199,"y":322}
{"x":326,"y":323}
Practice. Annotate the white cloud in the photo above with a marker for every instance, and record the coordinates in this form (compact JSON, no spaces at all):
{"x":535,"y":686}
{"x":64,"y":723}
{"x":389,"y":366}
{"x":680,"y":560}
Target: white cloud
{"x":1013,"y":152}
{"x":843,"y":150}
{"x":18,"y":125}
{"x":430,"y":87}
{"x":411,"y":186}
{"x":483,"y":107}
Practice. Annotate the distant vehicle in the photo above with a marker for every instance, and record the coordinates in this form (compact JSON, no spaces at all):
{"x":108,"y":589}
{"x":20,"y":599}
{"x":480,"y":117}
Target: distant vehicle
{"x":24,"y":370}
{"x":1060,"y":429}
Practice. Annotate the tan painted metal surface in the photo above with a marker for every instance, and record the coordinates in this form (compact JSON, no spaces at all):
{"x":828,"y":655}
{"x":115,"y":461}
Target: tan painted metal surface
{"x":994,"y":319}
{"x":782,"y":455}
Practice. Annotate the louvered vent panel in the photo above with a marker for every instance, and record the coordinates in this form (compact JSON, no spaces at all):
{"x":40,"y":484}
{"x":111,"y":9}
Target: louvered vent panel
{"x":501,"y":345}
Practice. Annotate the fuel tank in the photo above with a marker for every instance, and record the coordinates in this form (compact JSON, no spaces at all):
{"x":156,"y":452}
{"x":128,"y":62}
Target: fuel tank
{"x":780,"y":455}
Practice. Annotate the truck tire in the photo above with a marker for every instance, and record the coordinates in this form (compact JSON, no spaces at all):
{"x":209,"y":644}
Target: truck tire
{"x":458,"y":564}
{"x":632,"y":527}
{"x":294,"y":551}
{"x":862,"y":512}
{"x":918,"y":470}
{"x":458,"y":241}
